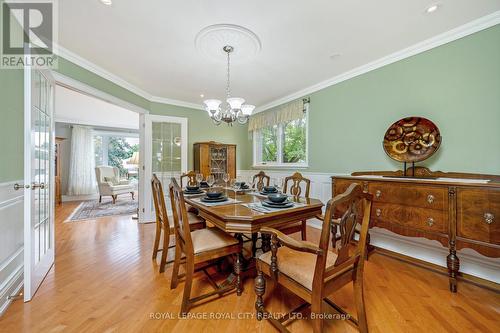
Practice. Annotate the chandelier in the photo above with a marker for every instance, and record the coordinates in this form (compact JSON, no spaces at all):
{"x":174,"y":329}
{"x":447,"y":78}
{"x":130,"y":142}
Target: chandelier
{"x":234,"y":109}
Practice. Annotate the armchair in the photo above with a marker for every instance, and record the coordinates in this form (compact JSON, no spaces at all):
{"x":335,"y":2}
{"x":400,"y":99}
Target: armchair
{"x":109,"y":183}
{"x":314,"y":271}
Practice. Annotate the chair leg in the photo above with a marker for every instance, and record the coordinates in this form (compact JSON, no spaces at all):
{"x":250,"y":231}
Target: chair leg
{"x":303,"y":230}
{"x":114,"y":199}
{"x":260,"y":290}
{"x":174,"y":281}
{"x":164,"y":252}
{"x":254,"y":244}
{"x":317,"y":321}
{"x":156,"y":245}
{"x":187,"y":288}
{"x":238,"y":267}
{"x":100,"y":199}
{"x":132,"y":195}
{"x":360,"y":303}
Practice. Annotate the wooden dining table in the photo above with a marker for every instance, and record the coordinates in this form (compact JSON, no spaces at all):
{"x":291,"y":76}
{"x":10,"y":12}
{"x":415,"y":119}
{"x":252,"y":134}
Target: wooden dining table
{"x":235,"y":217}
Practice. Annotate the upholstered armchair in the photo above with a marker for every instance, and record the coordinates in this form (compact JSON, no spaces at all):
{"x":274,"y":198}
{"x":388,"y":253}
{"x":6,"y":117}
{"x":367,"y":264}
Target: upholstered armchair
{"x":109,"y":183}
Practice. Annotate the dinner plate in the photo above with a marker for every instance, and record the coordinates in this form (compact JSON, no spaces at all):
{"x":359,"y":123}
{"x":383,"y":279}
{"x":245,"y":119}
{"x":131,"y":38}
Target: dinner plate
{"x":193,"y":192}
{"x":220,"y":199}
{"x":267,"y":193}
{"x":287,"y":204}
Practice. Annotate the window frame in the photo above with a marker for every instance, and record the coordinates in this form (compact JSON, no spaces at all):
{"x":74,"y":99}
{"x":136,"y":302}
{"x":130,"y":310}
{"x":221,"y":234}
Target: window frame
{"x":257,"y":149}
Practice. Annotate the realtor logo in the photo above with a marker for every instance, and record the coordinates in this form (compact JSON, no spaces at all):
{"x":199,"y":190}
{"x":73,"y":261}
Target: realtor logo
{"x":29,"y":31}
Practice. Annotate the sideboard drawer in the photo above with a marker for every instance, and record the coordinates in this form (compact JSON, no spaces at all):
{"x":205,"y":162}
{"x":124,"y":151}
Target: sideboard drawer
{"x":410,"y":195}
{"x":478,"y":215}
{"x":413,"y":217}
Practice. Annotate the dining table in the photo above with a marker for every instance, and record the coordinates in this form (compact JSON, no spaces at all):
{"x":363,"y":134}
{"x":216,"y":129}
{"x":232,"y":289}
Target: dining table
{"x":244,"y":213}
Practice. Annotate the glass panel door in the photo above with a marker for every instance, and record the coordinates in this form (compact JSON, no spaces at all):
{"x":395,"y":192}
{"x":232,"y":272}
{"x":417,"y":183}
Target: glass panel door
{"x":165,"y":155}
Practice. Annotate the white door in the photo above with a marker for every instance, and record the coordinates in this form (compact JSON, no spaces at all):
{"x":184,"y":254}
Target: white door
{"x":163,"y":153}
{"x":38,"y":178}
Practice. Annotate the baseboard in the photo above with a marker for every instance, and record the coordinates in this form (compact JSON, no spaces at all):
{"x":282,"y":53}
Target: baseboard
{"x":68,"y":198}
{"x":12,"y":288}
{"x":439,"y":269}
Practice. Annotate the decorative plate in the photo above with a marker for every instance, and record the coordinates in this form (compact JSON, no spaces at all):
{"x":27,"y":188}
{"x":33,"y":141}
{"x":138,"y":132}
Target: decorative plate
{"x":412,"y":139}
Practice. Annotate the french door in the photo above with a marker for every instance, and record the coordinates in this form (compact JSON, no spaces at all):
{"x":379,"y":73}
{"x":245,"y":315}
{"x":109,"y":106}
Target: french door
{"x":38,"y":178}
{"x":164,"y":150}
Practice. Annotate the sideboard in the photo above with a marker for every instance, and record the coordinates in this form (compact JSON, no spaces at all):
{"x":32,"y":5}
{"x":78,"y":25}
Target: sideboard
{"x":459,"y":210}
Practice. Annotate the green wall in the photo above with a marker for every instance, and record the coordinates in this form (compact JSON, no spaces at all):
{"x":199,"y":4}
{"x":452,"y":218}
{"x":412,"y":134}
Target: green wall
{"x":456,"y":85}
{"x":201,"y":128}
{"x":11,"y":124}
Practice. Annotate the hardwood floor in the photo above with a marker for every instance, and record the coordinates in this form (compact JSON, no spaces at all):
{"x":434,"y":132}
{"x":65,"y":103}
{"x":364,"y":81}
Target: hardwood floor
{"x":104,"y":281}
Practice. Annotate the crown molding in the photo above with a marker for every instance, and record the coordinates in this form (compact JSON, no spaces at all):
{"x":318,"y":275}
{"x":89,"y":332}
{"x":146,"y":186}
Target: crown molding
{"x":441,"y":39}
{"x":176,"y":102}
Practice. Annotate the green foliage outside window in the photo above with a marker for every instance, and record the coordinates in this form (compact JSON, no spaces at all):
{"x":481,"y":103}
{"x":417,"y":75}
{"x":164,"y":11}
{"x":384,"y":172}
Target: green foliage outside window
{"x":294,"y":147}
{"x":269,"y":137}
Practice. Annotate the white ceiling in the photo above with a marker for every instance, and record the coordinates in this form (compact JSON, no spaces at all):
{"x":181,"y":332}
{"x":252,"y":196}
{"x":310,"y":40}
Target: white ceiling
{"x":150,"y":44}
{"x":76,"y":108}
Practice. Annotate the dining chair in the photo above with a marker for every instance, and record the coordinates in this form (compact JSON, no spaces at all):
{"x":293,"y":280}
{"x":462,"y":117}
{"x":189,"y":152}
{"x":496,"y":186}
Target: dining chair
{"x":200,"y":246}
{"x":191,"y":178}
{"x":260,"y":180}
{"x":295,"y":189}
{"x":165,"y":224}
{"x":313,"y":272}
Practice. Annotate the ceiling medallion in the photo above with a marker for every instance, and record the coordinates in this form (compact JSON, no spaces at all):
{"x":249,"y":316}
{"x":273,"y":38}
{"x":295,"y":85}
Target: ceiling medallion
{"x":234,"y":110}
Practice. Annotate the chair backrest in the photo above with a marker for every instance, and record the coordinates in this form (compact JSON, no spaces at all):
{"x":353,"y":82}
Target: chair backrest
{"x":357,"y":203}
{"x":262,"y":180}
{"x":160,"y":206}
{"x":181,"y":222}
{"x":295,"y":188}
{"x":191,"y":178}
{"x":105,"y":171}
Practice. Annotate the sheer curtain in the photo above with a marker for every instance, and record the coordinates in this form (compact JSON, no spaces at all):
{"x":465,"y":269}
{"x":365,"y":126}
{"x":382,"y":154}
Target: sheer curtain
{"x":82,"y":162}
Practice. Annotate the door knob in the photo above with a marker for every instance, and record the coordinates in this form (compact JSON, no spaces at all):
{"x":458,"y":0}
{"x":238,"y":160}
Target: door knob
{"x":17,"y":186}
{"x":34,"y":186}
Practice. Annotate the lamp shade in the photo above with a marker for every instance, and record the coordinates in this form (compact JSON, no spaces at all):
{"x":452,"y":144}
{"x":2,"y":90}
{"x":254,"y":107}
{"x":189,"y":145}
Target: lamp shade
{"x":247,"y":109}
{"x":134,"y":160}
{"x":235,"y":102}
{"x":212,"y":104}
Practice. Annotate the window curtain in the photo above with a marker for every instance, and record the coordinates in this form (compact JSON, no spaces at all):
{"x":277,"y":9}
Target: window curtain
{"x":288,"y":112}
{"x":82,"y":179}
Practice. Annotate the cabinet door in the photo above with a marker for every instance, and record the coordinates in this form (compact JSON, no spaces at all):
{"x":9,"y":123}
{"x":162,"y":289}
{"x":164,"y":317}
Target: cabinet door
{"x":478,"y":214}
{"x":231,"y":161}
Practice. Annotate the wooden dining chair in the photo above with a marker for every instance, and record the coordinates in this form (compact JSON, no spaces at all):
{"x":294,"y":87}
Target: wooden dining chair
{"x":260,"y":180}
{"x":191,"y":178}
{"x":295,"y":189}
{"x":200,"y":246}
{"x":314,"y":272}
{"x":165,"y":224}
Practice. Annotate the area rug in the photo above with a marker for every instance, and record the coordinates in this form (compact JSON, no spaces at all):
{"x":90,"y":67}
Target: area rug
{"x":92,"y":209}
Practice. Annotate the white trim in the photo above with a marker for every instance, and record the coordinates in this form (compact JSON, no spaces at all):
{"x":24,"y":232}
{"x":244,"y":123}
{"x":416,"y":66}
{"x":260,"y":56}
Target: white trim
{"x":75,"y":85}
{"x":441,"y":39}
{"x":176,"y":102}
{"x":15,"y":283}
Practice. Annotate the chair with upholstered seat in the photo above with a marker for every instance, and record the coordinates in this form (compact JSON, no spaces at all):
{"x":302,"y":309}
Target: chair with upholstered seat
{"x":295,"y":189}
{"x":109,"y":183}
{"x":200,"y":246}
{"x":260,"y":180}
{"x":313,"y":272}
{"x":165,"y":224}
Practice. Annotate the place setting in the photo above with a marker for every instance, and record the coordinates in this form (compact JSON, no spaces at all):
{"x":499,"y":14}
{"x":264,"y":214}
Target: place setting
{"x":215,"y":197}
{"x":274,"y":202}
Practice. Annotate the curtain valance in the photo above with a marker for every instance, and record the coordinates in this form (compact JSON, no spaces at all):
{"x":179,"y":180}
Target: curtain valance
{"x":288,"y":112}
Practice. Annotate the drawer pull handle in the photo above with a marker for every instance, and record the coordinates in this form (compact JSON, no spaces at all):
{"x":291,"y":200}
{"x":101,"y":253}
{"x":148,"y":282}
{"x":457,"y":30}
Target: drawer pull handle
{"x":488,"y":218}
{"x":378,"y":194}
{"x":430,"y":198}
{"x":378,"y":212}
{"x":430,"y":221}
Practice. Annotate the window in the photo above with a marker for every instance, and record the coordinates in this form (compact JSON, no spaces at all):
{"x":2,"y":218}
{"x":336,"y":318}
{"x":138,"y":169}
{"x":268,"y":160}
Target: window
{"x":282,"y":145}
{"x":115,"y":149}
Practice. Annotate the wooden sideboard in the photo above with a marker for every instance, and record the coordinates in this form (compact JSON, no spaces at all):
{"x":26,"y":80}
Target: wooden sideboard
{"x":457,"y":209}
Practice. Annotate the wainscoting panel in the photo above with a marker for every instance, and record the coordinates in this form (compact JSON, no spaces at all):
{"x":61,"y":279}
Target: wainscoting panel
{"x":471,"y":262}
{"x":11,"y":241}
